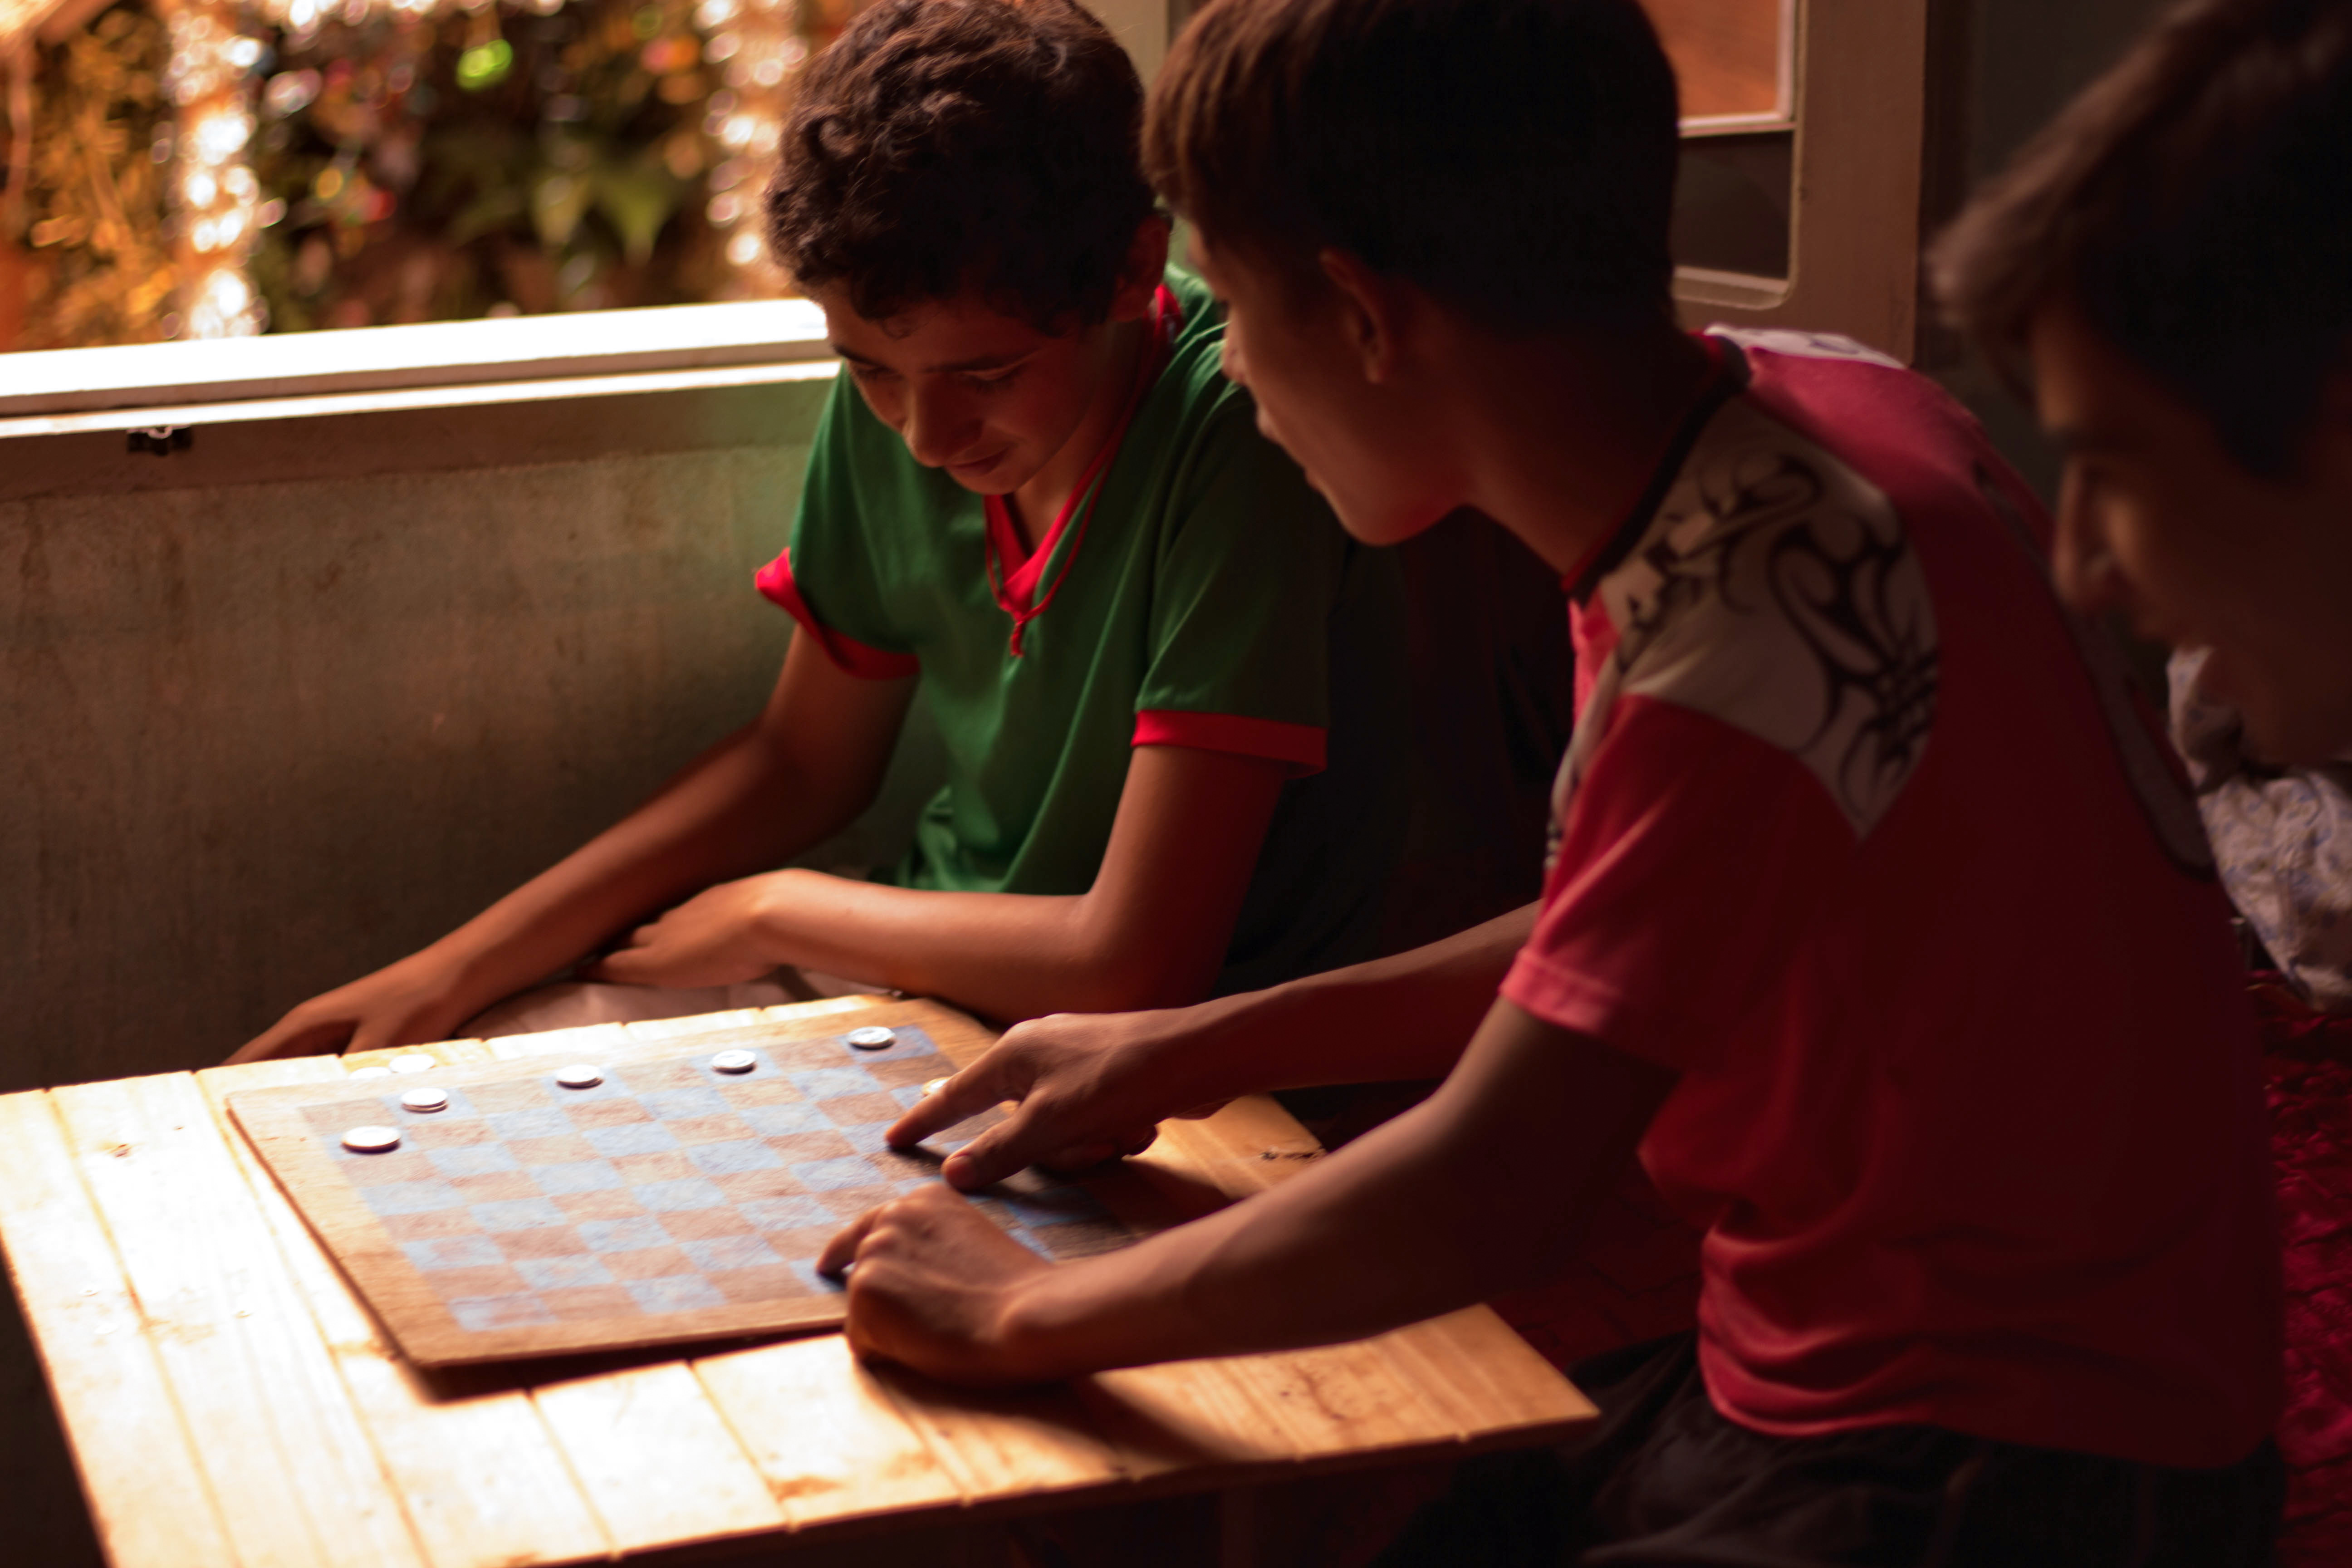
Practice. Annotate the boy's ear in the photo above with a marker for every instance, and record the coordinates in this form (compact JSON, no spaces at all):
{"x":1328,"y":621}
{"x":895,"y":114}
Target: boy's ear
{"x":1371,"y":312}
{"x":1139,"y":274}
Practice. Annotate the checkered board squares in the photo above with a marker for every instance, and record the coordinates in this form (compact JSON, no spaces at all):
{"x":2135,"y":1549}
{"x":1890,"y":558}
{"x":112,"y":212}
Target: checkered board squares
{"x":669,"y":1202}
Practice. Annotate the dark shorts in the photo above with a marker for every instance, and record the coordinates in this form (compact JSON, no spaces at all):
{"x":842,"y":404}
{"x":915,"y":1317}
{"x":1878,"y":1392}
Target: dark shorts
{"x":1663,"y":1479}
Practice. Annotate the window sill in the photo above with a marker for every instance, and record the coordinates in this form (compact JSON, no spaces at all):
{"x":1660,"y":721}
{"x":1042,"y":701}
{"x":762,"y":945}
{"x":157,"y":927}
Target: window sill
{"x":439,"y":363}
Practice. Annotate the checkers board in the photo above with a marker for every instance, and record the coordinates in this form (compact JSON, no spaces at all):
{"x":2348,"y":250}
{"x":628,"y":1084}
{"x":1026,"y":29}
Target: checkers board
{"x":669,"y":1202}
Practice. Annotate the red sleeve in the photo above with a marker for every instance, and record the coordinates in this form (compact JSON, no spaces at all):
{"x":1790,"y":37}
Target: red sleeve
{"x":1298,"y":746}
{"x":775,"y":584}
{"x":1692,"y":863}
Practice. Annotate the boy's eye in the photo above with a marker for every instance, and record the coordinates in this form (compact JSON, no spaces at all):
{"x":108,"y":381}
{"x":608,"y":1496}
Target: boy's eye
{"x":868,"y":373}
{"x":991,"y":380}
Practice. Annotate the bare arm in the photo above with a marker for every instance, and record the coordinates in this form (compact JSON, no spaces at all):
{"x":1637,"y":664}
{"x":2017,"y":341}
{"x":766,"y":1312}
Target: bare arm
{"x":1090,"y":1087}
{"x":1484,"y":1186}
{"x":1152,"y":932}
{"x":811,"y":761}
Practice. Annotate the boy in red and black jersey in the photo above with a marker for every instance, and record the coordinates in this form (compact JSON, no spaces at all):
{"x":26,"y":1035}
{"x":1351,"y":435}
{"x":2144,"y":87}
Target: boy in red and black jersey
{"x":1874,"y":918}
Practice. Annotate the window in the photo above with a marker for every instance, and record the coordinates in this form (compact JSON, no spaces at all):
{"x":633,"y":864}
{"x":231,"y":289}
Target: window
{"x":1800,"y":201}
{"x":197,"y":169}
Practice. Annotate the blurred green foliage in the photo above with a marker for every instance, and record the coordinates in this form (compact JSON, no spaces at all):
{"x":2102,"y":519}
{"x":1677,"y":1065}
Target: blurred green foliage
{"x":496,"y":162}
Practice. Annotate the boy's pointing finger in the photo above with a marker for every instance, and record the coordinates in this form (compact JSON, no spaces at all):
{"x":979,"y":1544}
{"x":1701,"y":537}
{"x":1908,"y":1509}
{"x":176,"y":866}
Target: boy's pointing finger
{"x":945,"y":1102}
{"x":842,"y":1250}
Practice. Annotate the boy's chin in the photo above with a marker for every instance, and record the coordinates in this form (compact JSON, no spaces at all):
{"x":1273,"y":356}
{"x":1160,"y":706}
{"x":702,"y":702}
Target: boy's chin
{"x":999,"y":478}
{"x":1385,"y":525}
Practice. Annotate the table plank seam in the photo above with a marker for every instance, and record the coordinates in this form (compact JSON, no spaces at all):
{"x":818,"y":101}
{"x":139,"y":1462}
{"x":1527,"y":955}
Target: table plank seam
{"x":265,"y":1193}
{"x":253,"y":1315}
{"x":793,"y":1521}
{"x":286,"y":1230}
{"x":148,"y":1327}
{"x":613,"y":1550}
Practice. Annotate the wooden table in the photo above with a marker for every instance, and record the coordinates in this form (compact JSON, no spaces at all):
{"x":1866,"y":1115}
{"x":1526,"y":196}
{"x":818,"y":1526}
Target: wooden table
{"x":229,"y":1401}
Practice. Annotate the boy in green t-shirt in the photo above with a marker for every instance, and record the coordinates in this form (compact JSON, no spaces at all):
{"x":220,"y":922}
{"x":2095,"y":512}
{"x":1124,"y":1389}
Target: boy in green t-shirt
{"x":1033,"y":496}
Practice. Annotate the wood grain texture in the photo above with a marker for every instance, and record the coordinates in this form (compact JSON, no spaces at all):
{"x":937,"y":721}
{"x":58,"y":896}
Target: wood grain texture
{"x":1006,"y":1442}
{"x":482,"y":1482}
{"x":553,"y":1463}
{"x":150,"y":1500}
{"x":282,"y":1446}
{"x":824,"y":1432}
{"x":656,"y":1460}
{"x":1475,"y":1372}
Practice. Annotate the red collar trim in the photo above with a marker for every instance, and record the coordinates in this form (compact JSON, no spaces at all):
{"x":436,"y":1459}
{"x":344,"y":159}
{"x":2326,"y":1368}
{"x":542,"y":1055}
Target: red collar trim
{"x":1013,"y":571}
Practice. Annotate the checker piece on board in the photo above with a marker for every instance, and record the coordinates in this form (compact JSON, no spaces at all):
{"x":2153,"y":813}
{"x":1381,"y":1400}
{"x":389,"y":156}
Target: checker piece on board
{"x":734,"y":1061}
{"x":872,"y":1038}
{"x":580,"y":1075}
{"x":425,"y":1100}
{"x":696,"y":1209}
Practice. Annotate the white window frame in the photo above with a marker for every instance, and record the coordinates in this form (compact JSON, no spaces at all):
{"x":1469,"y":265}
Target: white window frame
{"x":434,"y":364}
{"x":1858,"y":73}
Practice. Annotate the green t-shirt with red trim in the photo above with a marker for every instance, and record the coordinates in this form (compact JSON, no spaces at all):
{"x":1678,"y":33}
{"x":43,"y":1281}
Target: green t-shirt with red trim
{"x":1210,"y":600}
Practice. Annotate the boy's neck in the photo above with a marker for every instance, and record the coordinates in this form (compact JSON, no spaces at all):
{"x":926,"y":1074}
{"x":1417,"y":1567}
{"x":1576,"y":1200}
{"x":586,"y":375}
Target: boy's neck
{"x":1032,"y":505}
{"x":1563,"y":433}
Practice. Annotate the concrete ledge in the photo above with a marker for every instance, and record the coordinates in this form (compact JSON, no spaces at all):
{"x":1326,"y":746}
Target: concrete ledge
{"x":672,"y":338}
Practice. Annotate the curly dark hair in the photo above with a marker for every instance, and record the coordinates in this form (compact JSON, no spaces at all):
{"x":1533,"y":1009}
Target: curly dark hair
{"x":941,"y":147}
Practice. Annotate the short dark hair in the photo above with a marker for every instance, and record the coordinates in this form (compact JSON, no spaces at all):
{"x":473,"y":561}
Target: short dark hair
{"x":940,"y":147}
{"x":2195,"y":204}
{"x":1515,"y":158}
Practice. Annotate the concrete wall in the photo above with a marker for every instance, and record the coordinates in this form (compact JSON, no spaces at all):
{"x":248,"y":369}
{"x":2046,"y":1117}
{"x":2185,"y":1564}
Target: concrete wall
{"x":262,"y":737}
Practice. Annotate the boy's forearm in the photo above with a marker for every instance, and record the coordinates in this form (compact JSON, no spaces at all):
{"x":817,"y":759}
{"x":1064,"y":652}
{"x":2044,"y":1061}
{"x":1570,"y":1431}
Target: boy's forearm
{"x":1406,"y":1016}
{"x":1484,"y":1187}
{"x":1004,"y":955}
{"x":1015,"y":956}
{"x":1152,"y":932}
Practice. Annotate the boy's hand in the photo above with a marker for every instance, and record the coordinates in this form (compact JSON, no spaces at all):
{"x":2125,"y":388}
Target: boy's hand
{"x":1090,"y":1088}
{"x":932,"y":1280}
{"x":712,"y":939}
{"x":402,"y":1004}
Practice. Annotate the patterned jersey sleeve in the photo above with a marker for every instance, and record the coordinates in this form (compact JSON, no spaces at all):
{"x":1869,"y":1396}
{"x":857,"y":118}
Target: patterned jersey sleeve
{"x":1766,"y":688}
{"x":1689,"y":870}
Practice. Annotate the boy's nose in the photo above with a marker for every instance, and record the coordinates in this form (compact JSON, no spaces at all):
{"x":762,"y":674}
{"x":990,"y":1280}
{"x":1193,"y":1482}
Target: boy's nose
{"x":2081,"y":559}
{"x":936,"y":430}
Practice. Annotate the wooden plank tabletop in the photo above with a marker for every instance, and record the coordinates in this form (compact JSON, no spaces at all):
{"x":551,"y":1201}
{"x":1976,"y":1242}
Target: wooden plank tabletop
{"x":230,"y":1402}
